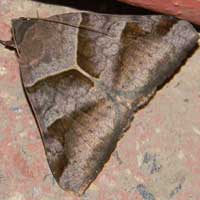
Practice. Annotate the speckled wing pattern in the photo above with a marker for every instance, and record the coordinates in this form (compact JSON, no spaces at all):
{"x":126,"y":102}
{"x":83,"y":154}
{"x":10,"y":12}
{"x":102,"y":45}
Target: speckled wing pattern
{"x":85,"y":81}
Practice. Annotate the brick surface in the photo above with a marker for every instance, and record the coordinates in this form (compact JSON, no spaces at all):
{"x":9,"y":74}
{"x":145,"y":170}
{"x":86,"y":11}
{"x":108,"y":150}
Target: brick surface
{"x":157,"y":159}
{"x":184,"y":9}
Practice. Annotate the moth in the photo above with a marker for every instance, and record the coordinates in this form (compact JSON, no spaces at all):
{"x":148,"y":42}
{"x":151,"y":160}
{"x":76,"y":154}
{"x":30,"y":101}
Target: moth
{"x":86,"y":74}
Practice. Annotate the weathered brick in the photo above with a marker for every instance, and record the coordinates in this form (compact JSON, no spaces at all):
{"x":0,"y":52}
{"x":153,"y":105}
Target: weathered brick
{"x":184,"y":9}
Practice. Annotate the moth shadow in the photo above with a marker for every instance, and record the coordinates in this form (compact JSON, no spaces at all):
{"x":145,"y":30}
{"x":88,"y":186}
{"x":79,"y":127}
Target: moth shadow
{"x":100,"y":6}
{"x":197,"y":27}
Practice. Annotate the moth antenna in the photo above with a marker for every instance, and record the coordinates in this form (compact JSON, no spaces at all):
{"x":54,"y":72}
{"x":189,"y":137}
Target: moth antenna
{"x":37,"y":14}
{"x":9,"y":44}
{"x":15,"y":42}
{"x":64,"y":23}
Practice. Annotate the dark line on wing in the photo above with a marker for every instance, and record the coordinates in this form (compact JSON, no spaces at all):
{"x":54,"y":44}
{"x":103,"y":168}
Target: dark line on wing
{"x":67,"y":24}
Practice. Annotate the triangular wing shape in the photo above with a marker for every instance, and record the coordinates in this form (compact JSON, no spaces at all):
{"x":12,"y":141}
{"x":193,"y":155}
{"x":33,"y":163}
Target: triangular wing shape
{"x":84,"y":84}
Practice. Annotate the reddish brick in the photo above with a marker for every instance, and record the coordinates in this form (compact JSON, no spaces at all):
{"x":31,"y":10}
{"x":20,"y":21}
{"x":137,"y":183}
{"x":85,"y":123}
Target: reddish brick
{"x":184,"y":9}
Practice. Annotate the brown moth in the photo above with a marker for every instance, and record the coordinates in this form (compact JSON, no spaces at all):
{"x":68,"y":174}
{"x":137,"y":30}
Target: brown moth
{"x":85,"y":75}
